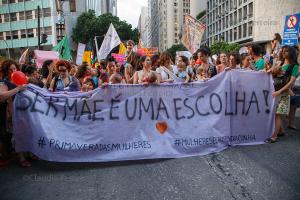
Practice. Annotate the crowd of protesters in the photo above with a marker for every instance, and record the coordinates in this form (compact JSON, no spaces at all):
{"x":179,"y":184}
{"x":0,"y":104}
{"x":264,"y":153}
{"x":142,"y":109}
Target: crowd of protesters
{"x":59,"y":76}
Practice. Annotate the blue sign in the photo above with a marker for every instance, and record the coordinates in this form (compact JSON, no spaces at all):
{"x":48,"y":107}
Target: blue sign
{"x":291,"y":30}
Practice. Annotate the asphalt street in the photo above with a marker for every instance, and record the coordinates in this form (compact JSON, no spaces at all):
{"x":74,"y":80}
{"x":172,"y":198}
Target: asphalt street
{"x":269,"y":172}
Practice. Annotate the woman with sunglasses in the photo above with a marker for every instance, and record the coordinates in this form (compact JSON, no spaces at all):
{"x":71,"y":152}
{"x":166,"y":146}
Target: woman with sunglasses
{"x":64,"y":81}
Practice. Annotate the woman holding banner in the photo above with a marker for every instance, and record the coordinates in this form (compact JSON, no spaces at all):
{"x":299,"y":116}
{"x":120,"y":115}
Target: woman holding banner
{"x":290,"y":71}
{"x":63,"y":81}
{"x":7,"y":90}
{"x":146,"y":75}
{"x":167,"y":71}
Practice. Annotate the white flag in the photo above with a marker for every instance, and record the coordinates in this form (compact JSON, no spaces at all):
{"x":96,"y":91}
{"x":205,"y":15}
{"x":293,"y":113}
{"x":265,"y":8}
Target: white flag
{"x":80,"y":52}
{"x":111,"y":40}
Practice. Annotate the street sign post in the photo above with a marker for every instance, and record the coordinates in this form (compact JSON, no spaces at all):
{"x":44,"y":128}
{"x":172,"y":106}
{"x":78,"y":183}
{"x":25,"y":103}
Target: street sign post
{"x":291,"y":30}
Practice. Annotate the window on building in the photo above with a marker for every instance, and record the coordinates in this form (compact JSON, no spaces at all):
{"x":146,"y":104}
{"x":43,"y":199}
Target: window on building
{"x":240,"y":2}
{"x":1,"y":36}
{"x":20,"y":1}
{"x":245,"y":12}
{"x":4,"y":1}
{"x":245,"y":30}
{"x":250,"y":9}
{"x":46,"y":12}
{"x":230,"y":20}
{"x":1,"y":19}
{"x":235,"y":33}
{"x":29,"y":14}
{"x":72,"y":5}
{"x":6,"y":17}
{"x":21,"y":16}
{"x":226,"y":36}
{"x":8,"y":35}
{"x":230,"y":35}
{"x":250,"y":28}
{"x":48,"y":30}
{"x":226,"y":22}
{"x":15,"y":35}
{"x":240,"y":15}
{"x":30,"y":33}
{"x":23,"y":33}
{"x":12,"y":1}
{"x":240,"y":32}
{"x":13,"y":17}
{"x":235,"y":17}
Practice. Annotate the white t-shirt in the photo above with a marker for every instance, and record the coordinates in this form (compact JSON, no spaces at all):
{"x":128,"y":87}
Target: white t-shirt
{"x":164,"y":74}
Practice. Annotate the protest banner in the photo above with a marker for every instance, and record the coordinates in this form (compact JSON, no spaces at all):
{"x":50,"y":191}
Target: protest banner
{"x":184,"y":53}
{"x":193,"y":31}
{"x":120,"y":58}
{"x":131,"y":122}
{"x":42,"y":56}
{"x":80,"y":52}
{"x":148,"y":51}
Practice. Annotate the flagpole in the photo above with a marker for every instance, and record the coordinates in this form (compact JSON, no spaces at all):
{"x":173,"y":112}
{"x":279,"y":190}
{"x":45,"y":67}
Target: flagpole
{"x":97,"y":49}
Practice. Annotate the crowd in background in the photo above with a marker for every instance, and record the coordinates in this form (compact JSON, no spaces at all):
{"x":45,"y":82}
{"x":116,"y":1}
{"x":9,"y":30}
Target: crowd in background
{"x":60,"y":76}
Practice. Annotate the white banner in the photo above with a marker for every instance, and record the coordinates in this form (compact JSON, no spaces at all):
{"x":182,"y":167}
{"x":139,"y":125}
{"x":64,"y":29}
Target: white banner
{"x":131,"y":122}
{"x":80,"y":52}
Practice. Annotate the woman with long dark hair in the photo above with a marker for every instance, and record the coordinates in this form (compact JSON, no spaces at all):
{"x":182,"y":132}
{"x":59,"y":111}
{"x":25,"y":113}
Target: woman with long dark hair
{"x":7,"y":91}
{"x":289,"y":69}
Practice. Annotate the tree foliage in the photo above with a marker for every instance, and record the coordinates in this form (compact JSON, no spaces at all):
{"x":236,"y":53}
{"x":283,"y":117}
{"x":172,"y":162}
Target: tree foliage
{"x":225,"y":47}
{"x":201,"y":14}
{"x":176,"y":47}
{"x":88,"y":26}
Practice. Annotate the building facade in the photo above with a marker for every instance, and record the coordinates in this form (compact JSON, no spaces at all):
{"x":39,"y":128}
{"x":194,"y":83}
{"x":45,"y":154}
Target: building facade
{"x":143,"y":26}
{"x":244,"y":21}
{"x":171,"y":14}
{"x":18,"y":22}
{"x":154,"y":21}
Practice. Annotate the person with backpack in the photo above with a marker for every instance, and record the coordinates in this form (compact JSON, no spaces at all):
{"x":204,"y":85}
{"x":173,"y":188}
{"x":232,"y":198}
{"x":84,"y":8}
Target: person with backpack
{"x":64,"y":81}
{"x":284,"y":78}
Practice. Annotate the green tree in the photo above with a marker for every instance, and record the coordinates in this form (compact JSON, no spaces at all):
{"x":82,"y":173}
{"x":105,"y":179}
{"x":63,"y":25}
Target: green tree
{"x":201,"y":14}
{"x":176,"y":47}
{"x":88,"y":26}
{"x":225,"y":47}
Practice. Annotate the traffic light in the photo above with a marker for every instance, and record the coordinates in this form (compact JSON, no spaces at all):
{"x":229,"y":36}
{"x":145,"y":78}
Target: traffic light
{"x":44,"y":38}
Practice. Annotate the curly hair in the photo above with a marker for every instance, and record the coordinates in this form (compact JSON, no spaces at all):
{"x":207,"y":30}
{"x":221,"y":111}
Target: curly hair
{"x":165,"y":57}
{"x":5,"y":65}
{"x":63,"y":63}
{"x":81,"y":71}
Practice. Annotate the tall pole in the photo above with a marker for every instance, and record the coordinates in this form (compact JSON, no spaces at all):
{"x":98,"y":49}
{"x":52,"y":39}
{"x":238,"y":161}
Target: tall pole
{"x":97,"y":50}
{"x":39,"y":27}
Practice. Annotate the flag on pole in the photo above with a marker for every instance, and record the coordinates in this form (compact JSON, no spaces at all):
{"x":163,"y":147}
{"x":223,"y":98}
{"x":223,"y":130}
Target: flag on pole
{"x":23,"y":57}
{"x":111,"y":40}
{"x":63,"y":49}
{"x":122,"y":49}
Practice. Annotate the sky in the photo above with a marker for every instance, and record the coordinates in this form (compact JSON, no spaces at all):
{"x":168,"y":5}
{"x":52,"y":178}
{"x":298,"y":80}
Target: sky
{"x":130,"y":10}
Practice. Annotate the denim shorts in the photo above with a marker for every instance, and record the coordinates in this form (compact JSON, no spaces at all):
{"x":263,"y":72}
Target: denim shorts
{"x":295,"y":100}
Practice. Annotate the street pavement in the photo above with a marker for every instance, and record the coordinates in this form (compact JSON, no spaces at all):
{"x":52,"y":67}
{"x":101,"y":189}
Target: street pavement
{"x":269,"y":172}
